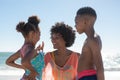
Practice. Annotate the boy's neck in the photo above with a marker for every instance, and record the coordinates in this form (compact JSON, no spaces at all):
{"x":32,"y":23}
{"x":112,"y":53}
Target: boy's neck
{"x":90,"y":32}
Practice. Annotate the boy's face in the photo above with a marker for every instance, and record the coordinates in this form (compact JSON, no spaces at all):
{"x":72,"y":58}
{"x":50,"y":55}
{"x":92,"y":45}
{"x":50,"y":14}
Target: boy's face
{"x":79,"y":24}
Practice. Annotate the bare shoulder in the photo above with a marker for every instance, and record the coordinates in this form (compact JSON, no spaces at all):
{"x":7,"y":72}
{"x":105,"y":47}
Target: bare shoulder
{"x":28,"y":49}
{"x":78,"y":54}
{"x":51,"y":53}
{"x":73,"y":52}
{"x":95,"y":42}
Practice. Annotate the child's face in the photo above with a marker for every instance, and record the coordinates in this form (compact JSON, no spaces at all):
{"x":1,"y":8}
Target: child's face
{"x":57,"y":40}
{"x":36,"y":36}
{"x":79,"y":24}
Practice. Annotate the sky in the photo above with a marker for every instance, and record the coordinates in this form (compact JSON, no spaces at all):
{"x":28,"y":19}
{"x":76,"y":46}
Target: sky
{"x":52,"y":11}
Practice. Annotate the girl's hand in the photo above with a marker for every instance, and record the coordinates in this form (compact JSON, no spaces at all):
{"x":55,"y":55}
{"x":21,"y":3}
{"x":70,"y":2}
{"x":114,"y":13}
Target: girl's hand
{"x":23,"y":67}
{"x":32,"y":76}
{"x":40,"y":47}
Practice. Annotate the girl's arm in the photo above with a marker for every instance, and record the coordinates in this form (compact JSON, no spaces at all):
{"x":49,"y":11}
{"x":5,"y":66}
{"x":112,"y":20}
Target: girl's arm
{"x":26,"y":62}
{"x":11,"y":60}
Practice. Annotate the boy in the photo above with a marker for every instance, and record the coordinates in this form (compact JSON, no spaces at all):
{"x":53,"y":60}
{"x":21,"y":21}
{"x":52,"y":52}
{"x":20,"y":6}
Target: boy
{"x":90,"y":65}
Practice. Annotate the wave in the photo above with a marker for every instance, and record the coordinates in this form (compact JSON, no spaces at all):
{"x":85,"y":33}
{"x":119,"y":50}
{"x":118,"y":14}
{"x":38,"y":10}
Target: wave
{"x":11,"y":72}
{"x":110,"y":62}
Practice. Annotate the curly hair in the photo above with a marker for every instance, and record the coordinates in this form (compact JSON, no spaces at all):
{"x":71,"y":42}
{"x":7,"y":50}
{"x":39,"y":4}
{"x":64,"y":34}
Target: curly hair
{"x":87,"y":11}
{"x":31,"y":25}
{"x":66,"y":31}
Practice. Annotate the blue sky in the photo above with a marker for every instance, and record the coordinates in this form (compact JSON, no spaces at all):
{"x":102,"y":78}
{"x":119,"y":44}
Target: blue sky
{"x":52,"y":11}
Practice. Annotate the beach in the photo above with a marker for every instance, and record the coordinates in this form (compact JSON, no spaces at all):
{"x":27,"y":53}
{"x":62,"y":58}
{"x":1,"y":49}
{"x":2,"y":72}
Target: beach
{"x":14,"y":77}
{"x":111,"y":65}
{"x":112,"y":75}
{"x":109,"y":75}
{"x":11,"y":74}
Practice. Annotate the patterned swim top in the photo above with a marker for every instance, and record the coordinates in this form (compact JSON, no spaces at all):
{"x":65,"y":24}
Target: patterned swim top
{"x":38,"y":64}
{"x":54,"y":72}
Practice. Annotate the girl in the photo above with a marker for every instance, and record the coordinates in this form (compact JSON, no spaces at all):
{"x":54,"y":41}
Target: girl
{"x":31,"y":61}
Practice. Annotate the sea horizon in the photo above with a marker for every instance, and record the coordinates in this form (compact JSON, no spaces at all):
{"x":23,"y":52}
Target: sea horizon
{"x":111,"y":63}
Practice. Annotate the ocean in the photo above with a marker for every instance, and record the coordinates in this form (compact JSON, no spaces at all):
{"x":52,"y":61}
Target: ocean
{"x":111,"y":66}
{"x":5,"y":69}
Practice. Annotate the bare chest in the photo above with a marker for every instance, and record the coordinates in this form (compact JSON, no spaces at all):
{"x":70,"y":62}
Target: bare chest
{"x":86,"y":54}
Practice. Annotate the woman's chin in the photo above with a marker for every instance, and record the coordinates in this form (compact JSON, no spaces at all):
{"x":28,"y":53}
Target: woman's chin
{"x":80,"y":32}
{"x":55,"y":47}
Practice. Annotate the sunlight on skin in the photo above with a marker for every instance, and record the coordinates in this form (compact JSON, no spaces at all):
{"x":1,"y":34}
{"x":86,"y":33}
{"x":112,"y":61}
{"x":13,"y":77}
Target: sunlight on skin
{"x":48,"y":72}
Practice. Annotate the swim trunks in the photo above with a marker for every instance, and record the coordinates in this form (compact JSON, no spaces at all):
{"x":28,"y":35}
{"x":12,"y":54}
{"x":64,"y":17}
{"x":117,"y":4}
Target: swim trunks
{"x":87,"y":75}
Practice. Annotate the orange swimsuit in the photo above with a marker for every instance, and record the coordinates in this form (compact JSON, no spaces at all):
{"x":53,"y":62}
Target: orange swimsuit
{"x":54,"y":72}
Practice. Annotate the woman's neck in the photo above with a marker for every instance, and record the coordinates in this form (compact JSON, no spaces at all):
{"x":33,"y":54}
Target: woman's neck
{"x":62,"y":51}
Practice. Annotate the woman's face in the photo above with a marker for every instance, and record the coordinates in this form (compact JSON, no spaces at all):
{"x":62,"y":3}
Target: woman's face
{"x":57,"y":41}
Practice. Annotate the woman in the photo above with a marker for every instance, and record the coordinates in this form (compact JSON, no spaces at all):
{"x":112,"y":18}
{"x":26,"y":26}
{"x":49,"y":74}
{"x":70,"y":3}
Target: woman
{"x":61,"y":64}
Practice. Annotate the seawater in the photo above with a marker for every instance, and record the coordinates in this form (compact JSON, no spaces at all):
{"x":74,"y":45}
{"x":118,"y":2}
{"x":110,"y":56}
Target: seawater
{"x":8,"y":70}
{"x":111,"y":63}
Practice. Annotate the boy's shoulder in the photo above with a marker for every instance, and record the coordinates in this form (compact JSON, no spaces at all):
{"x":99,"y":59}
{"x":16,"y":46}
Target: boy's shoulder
{"x":95,"y":38}
{"x":95,"y":42}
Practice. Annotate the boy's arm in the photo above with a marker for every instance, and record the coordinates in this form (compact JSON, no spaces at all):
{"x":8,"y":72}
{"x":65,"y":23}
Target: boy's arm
{"x":97,"y":58}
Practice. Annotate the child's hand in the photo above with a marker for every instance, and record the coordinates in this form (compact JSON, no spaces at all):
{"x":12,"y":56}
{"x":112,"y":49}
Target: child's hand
{"x":32,"y":76}
{"x":23,"y":67}
{"x":40,"y":47}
